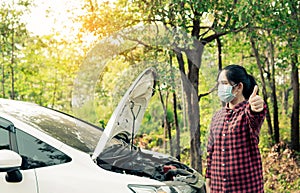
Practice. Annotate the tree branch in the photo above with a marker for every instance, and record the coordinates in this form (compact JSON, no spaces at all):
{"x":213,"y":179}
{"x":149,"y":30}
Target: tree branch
{"x":209,"y":92}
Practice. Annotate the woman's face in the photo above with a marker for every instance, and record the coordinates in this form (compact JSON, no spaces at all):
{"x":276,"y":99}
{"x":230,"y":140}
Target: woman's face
{"x":222,"y":78}
{"x":237,"y":89}
{"x":226,"y":91}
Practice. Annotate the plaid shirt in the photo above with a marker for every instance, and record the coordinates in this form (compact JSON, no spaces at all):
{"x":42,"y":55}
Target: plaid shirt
{"x":234,"y":161}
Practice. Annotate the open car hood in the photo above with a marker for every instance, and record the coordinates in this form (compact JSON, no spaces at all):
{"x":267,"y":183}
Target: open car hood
{"x":128,"y":115}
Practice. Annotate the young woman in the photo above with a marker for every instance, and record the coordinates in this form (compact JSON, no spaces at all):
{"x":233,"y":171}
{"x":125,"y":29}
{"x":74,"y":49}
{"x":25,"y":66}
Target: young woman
{"x":234,"y":161}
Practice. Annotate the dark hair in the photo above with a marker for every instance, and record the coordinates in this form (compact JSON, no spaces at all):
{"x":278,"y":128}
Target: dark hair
{"x":236,"y":74}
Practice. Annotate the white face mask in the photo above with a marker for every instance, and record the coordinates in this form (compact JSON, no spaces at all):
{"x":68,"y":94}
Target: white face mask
{"x":225,"y":93}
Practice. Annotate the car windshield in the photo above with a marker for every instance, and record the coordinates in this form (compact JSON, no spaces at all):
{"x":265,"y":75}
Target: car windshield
{"x":67,"y":129}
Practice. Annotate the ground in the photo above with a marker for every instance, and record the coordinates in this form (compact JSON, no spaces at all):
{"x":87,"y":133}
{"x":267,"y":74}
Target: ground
{"x":281,"y":169}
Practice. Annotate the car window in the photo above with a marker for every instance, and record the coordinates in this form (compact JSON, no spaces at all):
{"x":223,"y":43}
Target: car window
{"x":36,"y":153}
{"x":4,"y":139}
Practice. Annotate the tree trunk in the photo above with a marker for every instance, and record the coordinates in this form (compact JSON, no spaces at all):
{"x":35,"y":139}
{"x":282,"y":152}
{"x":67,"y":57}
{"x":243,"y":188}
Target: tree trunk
{"x":274,"y":97}
{"x":194,"y":118}
{"x":285,"y":100}
{"x":192,"y":108}
{"x":12,"y":94}
{"x":295,"y":113}
{"x":3,"y":81}
{"x":167,"y":129}
{"x":54,"y":89}
{"x":295,"y":81}
{"x":177,"y":146}
{"x":219,"y":44}
{"x":12,"y":61}
{"x":264,"y":90}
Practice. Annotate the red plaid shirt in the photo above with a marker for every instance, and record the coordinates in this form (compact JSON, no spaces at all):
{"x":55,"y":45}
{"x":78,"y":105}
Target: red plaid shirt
{"x":234,"y":161}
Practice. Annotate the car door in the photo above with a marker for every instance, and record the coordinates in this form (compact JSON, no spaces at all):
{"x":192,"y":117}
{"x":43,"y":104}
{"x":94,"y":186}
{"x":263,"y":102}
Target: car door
{"x":28,"y":183}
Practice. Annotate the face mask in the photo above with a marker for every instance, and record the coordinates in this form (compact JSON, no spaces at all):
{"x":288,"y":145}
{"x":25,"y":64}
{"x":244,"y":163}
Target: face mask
{"x":225,"y":93}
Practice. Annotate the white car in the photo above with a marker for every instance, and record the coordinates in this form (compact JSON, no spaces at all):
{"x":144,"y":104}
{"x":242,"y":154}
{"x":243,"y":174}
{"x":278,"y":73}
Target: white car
{"x":46,"y":151}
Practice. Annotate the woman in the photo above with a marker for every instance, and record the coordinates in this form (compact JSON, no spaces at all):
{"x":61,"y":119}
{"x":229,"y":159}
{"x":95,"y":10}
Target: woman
{"x":233,"y":161}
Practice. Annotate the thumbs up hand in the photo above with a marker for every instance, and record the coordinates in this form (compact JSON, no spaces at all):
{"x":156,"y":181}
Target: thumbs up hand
{"x":256,"y":102}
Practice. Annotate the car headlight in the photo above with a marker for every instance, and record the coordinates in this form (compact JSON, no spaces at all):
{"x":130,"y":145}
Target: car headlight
{"x":161,"y":189}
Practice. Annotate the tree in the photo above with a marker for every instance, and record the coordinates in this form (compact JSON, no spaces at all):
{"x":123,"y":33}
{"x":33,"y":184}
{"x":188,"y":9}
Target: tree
{"x":281,"y":22}
{"x":264,"y":67}
{"x":47,"y":71}
{"x":205,"y":22}
{"x":294,"y":44}
{"x":13,"y":34}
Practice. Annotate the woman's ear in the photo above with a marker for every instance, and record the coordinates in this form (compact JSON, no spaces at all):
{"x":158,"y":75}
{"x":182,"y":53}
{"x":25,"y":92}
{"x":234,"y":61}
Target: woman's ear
{"x":240,"y":87}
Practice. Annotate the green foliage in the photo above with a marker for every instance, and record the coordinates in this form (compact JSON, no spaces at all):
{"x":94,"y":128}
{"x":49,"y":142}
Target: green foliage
{"x":41,"y":69}
{"x":153,"y":121}
{"x":45,"y":67}
{"x":104,"y":18}
{"x":12,"y":35}
{"x":48,"y":72}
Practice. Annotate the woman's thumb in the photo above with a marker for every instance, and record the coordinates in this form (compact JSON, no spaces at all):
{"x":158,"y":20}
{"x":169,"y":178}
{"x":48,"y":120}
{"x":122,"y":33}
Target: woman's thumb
{"x":254,"y":93}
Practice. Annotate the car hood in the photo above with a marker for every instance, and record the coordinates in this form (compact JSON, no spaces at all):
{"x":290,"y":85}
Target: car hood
{"x":128,"y":115}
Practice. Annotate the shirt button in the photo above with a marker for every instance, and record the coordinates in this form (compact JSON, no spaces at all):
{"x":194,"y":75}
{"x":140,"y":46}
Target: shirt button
{"x":224,"y":134}
{"x":223,"y":149}
{"x":223,"y":164}
{"x":224,"y":179}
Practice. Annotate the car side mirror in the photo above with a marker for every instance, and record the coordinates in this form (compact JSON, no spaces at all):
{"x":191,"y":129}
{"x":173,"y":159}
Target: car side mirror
{"x":10,"y":162}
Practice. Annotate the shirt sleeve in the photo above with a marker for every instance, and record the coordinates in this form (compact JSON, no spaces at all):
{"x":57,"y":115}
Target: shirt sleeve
{"x":210,"y":148}
{"x":255,"y":119}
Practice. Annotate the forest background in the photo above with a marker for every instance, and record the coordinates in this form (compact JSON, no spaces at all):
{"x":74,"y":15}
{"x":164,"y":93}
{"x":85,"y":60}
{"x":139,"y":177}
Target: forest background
{"x":187,"y":41}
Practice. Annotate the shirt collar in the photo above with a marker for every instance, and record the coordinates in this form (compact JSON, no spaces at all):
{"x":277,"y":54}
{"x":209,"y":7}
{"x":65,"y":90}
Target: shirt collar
{"x":237,"y":107}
